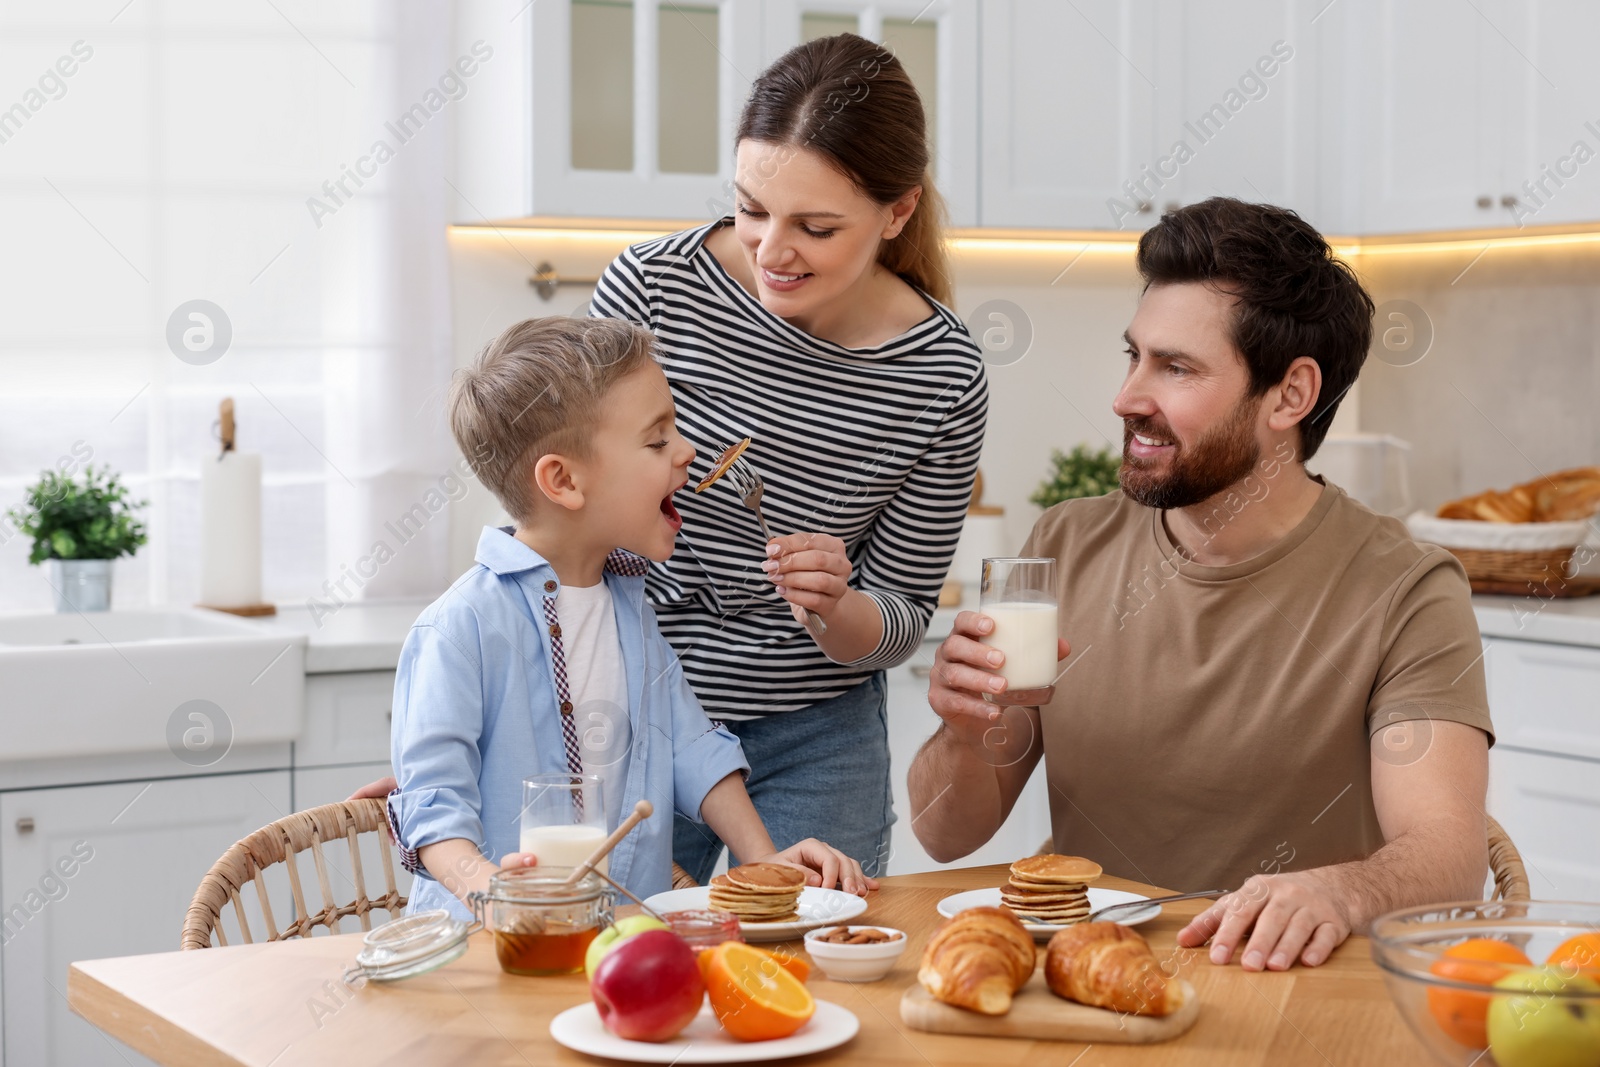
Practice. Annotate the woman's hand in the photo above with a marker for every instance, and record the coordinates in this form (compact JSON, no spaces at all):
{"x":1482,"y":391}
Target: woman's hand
{"x":810,"y":570}
{"x":824,"y":865}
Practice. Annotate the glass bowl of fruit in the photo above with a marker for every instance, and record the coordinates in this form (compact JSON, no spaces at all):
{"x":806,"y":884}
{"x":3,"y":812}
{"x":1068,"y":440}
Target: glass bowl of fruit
{"x":1520,"y":979}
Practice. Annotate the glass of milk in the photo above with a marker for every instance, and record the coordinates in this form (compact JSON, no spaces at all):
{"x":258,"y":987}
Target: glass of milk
{"x":1019,"y":595}
{"x":563,"y":819}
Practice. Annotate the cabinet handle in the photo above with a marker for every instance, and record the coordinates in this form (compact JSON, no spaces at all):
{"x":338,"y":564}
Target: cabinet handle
{"x":1144,"y":207}
{"x":919,"y":671}
{"x":1485,"y":202}
{"x":1508,"y":201}
{"x":25,"y":825}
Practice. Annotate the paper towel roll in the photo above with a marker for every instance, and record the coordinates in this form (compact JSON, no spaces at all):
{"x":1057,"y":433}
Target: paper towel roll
{"x":230,"y":530}
{"x":982,"y":537}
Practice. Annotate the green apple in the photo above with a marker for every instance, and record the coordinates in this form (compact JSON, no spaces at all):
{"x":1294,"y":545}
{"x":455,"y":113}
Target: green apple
{"x":620,"y":930}
{"x":1542,"y":1027}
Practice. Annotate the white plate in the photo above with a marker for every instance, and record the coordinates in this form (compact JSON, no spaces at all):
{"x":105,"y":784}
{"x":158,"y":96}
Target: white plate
{"x":817,"y":907}
{"x":704,"y":1040}
{"x":1098,"y":898}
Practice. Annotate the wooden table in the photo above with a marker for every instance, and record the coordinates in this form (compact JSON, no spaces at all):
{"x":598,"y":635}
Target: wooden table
{"x":283,"y":1004}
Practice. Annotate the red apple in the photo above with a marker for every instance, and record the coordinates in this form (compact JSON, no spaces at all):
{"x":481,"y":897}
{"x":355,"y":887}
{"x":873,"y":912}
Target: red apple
{"x":648,"y":987}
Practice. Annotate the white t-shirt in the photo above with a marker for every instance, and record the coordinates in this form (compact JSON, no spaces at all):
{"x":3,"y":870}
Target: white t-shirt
{"x":598,"y":687}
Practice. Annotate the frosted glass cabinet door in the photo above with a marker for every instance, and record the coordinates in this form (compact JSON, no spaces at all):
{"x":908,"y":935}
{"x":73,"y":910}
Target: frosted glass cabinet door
{"x":936,"y":42}
{"x":94,"y":871}
{"x":602,"y":108}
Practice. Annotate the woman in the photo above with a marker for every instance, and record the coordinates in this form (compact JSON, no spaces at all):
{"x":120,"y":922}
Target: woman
{"x":814,"y":322}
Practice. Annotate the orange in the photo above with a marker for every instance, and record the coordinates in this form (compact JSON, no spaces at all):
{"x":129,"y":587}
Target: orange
{"x":1480,"y":961}
{"x":1580,"y":953}
{"x":752,"y":993}
{"x":794,"y":964}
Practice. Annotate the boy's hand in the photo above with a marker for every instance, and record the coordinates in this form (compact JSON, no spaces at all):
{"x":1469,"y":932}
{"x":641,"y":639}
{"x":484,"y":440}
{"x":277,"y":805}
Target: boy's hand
{"x":810,"y":570}
{"x":518,"y":859}
{"x":375,"y":790}
{"x":825,"y":866}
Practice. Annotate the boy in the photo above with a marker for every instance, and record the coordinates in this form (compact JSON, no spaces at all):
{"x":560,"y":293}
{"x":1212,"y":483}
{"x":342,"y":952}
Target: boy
{"x":545,"y":657}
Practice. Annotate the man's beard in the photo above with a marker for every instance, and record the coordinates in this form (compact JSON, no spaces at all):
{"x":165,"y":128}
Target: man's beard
{"x":1222,"y":457}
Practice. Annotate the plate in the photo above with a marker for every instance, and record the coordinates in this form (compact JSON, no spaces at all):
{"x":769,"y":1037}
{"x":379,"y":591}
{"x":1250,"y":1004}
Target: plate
{"x":1098,"y":898}
{"x":817,"y":907}
{"x":704,"y":1040}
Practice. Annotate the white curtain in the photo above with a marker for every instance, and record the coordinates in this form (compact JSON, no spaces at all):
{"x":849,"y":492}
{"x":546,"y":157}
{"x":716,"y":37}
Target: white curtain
{"x":227,"y":153}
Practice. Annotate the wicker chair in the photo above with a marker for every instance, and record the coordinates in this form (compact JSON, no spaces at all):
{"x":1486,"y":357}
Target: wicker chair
{"x":281,"y":842}
{"x":1505,"y":862}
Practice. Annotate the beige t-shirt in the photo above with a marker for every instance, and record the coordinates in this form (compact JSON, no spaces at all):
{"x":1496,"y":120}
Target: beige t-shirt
{"x":1213,"y":722}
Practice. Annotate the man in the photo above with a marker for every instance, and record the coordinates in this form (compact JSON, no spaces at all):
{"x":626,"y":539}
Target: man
{"x":1268,"y":687}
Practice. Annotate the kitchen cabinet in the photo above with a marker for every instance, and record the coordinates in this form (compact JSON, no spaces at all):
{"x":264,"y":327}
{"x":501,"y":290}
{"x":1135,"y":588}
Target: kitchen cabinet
{"x":911,"y":722}
{"x":1471,"y":116}
{"x":1544,"y":771}
{"x":347,"y":719}
{"x":1068,"y":114}
{"x":106,"y":870}
{"x":1238,"y":112}
{"x":1102,"y":115}
{"x":601,"y":108}
{"x":936,"y":42}
{"x":595,"y":108}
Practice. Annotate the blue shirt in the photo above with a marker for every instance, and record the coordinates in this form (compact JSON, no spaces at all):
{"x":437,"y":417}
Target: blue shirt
{"x":476,"y":709}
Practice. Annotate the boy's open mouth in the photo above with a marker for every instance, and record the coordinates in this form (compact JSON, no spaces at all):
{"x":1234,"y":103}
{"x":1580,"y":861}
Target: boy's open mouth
{"x":673,"y":518}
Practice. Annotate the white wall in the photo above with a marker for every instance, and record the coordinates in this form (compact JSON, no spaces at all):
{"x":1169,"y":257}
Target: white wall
{"x":1056,"y":396}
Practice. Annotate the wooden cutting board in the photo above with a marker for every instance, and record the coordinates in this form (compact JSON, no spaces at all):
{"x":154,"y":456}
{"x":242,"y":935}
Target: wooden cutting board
{"x":1039,"y":1014}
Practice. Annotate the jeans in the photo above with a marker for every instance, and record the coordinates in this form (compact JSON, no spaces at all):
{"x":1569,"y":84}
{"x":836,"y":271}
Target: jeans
{"x":819,"y":772}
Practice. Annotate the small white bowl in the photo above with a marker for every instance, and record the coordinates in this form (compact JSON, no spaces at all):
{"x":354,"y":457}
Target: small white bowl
{"x":855,"y":963}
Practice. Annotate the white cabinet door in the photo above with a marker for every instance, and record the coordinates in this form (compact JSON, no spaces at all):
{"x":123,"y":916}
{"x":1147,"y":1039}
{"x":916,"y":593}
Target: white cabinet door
{"x":106,"y":870}
{"x":596,"y":109}
{"x":1552,"y":87}
{"x":1068,"y":113}
{"x":911,"y":722}
{"x":1237,"y":105}
{"x":1545,"y":698}
{"x":347,"y":718}
{"x":1550,"y":805}
{"x":326,"y":785}
{"x":937,"y":42}
{"x":1429,"y":104}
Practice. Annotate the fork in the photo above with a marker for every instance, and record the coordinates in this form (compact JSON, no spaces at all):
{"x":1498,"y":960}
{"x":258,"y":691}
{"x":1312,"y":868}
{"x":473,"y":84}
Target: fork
{"x":748,"y":484}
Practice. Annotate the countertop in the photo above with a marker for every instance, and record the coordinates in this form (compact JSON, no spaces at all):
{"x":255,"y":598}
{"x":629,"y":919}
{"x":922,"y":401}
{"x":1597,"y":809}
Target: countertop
{"x":1562,"y":620}
{"x":365,"y":635}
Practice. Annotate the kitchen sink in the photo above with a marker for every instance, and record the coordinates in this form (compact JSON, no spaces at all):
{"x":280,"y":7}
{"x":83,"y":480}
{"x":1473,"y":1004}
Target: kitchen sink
{"x":191,"y":681}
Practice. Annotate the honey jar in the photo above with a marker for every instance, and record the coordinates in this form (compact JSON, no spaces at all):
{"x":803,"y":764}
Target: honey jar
{"x":540,"y":925}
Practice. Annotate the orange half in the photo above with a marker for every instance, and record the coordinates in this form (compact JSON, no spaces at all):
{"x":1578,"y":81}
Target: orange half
{"x":754,"y":995}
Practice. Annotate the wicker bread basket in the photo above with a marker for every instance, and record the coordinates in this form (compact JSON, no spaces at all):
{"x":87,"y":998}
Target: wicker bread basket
{"x":1511,"y":557}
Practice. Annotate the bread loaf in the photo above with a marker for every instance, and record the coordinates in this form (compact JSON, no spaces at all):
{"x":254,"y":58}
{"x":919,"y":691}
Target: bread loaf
{"x":1559,"y":497}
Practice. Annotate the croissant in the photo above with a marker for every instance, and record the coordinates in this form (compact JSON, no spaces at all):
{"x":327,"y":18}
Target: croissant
{"x":978,"y":960}
{"x":1107,"y":965}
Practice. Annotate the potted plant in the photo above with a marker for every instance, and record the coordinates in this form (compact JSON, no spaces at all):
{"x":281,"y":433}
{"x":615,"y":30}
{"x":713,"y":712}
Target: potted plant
{"x":81,"y":526}
{"x":1082,"y":473}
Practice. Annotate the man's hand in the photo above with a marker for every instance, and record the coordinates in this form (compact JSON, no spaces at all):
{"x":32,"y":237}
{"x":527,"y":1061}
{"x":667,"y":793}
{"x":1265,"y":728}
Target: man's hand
{"x":375,"y":790}
{"x":810,"y":570}
{"x":1286,"y":915}
{"x":824,"y":865}
{"x":962,"y":674}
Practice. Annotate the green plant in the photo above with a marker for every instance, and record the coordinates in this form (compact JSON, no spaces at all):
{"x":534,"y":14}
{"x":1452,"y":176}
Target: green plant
{"x":1082,"y":473}
{"x":68,"y":519}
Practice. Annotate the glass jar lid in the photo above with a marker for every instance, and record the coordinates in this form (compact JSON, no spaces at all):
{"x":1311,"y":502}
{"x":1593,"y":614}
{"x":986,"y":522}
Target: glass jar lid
{"x":410,"y":946}
{"x":542,"y":885}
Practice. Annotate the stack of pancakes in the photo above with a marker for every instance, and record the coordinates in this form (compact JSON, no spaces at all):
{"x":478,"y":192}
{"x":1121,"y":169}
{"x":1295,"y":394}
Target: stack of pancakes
{"x":759,"y":892}
{"x":1050,"y":889}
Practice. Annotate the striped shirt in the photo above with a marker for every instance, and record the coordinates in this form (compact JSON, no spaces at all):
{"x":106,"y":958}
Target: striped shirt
{"x":876,"y":446}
